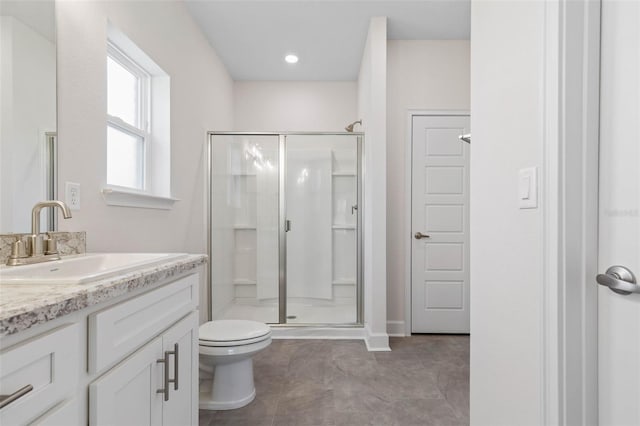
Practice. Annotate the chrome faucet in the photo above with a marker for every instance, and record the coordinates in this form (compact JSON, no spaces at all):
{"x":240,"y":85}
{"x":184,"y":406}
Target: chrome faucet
{"x":35,"y":252}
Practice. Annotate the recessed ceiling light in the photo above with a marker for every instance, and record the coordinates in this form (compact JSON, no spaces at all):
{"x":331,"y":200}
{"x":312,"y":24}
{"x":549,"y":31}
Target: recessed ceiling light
{"x":291,"y":59}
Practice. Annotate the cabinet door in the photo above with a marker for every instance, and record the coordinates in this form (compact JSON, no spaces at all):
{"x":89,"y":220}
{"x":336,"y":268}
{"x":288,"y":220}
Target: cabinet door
{"x":127,"y":394}
{"x":182,"y":405}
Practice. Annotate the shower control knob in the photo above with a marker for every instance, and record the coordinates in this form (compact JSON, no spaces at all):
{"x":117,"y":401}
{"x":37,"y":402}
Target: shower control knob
{"x":420,"y":235}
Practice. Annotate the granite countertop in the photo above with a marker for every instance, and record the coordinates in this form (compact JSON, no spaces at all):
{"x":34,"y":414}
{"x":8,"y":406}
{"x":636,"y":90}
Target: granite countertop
{"x":24,"y":305}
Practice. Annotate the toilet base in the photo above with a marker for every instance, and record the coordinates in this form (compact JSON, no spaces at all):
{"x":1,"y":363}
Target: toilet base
{"x":232,"y":386}
{"x":208,"y":403}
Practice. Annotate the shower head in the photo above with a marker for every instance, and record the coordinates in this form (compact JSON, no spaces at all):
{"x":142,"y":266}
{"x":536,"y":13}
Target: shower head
{"x":349,"y":128}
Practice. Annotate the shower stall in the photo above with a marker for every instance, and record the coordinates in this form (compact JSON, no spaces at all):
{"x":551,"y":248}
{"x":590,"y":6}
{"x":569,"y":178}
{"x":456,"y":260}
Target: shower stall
{"x":285,"y":239}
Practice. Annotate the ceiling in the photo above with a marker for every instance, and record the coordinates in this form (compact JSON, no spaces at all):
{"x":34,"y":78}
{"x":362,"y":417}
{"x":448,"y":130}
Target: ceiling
{"x":252,"y":37}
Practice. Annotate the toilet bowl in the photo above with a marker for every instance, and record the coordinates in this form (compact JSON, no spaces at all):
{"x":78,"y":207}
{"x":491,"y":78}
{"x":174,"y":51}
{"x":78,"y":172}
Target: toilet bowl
{"x":226,"y":349}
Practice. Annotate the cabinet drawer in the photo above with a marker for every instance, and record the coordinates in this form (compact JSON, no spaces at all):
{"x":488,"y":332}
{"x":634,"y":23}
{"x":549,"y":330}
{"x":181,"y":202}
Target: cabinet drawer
{"x":49,"y":363}
{"x":65,"y":414}
{"x":119,"y":330}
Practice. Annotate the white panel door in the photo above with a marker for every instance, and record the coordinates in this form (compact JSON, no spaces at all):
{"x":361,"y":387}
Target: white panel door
{"x":619,"y":215}
{"x":440,"y":212}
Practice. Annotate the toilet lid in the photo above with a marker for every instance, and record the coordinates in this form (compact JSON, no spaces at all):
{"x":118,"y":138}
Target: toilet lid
{"x":233,"y":331}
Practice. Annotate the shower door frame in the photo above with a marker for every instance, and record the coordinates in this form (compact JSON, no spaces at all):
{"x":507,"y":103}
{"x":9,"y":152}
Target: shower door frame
{"x":282,"y":217}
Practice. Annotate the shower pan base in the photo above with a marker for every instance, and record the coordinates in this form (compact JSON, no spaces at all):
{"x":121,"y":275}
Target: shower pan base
{"x":284,"y":331}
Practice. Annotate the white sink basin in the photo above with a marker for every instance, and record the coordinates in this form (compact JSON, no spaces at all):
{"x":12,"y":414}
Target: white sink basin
{"x":82,"y":268}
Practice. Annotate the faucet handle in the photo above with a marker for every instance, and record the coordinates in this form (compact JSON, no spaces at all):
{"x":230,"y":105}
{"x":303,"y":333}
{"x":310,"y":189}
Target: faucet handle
{"x":50,"y":245}
{"x":18,"y":250}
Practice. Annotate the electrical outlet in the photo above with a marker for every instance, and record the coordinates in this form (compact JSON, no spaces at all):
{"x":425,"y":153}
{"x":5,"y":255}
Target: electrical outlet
{"x":72,"y":195}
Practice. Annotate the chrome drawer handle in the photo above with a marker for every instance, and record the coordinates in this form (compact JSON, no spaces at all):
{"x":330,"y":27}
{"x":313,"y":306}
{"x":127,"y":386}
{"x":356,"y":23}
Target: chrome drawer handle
{"x":8,"y":399}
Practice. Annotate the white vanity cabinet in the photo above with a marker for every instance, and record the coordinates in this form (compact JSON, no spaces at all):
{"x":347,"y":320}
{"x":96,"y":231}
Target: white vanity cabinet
{"x":131,"y":360}
{"x":157,"y":385}
{"x":65,"y":414}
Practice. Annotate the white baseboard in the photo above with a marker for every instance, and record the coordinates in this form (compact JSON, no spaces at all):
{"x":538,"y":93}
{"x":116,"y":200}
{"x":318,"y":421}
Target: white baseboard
{"x":396,"y":328}
{"x":376,"y":342}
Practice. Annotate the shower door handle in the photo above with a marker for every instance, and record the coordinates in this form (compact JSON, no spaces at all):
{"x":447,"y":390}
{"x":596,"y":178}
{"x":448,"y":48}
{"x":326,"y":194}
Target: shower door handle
{"x":287,"y":225}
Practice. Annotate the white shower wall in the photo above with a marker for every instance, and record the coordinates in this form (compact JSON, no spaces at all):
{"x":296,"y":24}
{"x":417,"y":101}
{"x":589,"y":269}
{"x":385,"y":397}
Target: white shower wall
{"x":320,"y":193}
{"x":308,"y":195}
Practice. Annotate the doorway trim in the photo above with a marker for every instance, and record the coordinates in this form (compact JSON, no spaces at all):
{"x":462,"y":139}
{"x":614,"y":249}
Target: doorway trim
{"x":570,"y":212}
{"x":411,"y":113}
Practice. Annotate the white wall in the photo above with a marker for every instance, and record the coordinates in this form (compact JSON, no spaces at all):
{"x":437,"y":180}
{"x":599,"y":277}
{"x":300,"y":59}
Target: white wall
{"x":422,"y":75}
{"x":28,"y":110}
{"x":507,"y":57}
{"x":372,"y":101}
{"x":201,"y":100}
{"x":313,"y":106}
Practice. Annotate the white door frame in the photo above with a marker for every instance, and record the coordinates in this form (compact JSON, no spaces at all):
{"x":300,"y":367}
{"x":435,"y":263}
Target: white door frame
{"x":570,"y":211}
{"x":407,"y":202}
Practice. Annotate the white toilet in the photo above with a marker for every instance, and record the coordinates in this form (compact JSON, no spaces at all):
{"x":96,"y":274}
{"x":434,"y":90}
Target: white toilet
{"x":226,"y":349}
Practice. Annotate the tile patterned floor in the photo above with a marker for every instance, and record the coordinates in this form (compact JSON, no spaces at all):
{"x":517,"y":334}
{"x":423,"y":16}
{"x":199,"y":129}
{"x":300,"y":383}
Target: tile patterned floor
{"x":423,"y":381}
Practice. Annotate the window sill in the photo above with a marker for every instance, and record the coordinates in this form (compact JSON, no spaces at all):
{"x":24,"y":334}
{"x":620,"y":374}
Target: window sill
{"x":122,"y":197}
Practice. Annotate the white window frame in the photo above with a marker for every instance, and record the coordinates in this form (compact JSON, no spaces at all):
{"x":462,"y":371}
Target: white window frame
{"x":143,"y":111}
{"x":154,"y":127}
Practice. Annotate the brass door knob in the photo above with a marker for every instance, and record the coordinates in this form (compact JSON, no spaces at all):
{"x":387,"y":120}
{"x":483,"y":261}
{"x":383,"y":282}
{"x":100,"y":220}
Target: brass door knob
{"x":420,"y":235}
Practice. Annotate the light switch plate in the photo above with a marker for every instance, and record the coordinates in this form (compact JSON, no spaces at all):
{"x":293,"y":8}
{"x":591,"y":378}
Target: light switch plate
{"x":528,"y":188}
{"x":72,"y":195}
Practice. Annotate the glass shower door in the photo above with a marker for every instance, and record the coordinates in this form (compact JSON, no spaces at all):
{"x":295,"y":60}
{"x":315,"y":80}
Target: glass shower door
{"x":245,"y":261}
{"x":321,"y":222}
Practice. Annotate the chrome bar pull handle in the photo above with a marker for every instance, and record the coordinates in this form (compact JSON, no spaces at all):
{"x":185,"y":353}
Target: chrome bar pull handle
{"x":165,"y":361}
{"x":8,"y":399}
{"x":420,"y":235}
{"x":176,"y":363}
{"x":619,"y":280}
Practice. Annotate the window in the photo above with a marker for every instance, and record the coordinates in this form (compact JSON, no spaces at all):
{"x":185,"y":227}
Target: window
{"x":128,"y":126}
{"x":138,"y":127}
